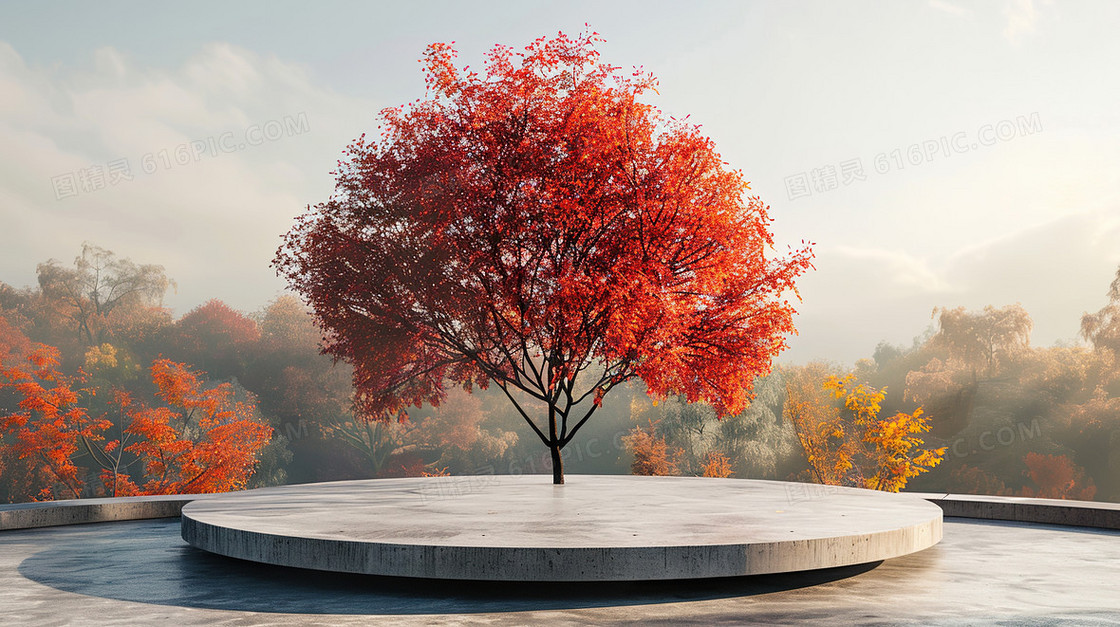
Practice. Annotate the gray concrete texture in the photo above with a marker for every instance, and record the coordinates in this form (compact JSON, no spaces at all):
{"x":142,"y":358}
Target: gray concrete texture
{"x":142,"y":573}
{"x":1023,"y":509}
{"x":1050,"y":511}
{"x":593,"y":528}
{"x":81,"y":511}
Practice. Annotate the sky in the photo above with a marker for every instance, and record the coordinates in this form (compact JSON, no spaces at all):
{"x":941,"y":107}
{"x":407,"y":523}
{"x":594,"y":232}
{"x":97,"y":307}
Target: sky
{"x":939,"y":153}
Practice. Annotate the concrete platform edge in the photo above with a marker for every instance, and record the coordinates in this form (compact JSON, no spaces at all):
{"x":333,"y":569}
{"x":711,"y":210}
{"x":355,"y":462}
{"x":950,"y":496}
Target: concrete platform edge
{"x":83,"y":511}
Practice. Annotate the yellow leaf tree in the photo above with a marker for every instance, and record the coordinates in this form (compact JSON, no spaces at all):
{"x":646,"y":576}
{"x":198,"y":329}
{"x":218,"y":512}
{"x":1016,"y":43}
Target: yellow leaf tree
{"x":844,"y":439}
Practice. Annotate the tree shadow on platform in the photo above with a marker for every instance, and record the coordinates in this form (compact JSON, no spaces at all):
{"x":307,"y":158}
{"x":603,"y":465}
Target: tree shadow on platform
{"x":147,"y":562}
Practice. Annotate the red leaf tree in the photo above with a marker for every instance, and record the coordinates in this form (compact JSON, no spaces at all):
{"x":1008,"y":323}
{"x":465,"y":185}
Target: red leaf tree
{"x":542,"y":230}
{"x":1057,"y":477}
{"x":215,"y":338}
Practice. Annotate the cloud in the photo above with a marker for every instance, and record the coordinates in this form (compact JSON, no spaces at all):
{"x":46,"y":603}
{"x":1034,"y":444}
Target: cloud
{"x":858,"y":298}
{"x":896,"y":269}
{"x":950,"y":8}
{"x":220,"y":152}
{"x":1021,"y":19}
{"x":1058,"y":271}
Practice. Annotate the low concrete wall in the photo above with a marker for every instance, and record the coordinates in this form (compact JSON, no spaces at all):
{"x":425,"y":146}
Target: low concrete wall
{"x":81,"y":511}
{"x":1029,"y":510}
{"x":1019,"y":509}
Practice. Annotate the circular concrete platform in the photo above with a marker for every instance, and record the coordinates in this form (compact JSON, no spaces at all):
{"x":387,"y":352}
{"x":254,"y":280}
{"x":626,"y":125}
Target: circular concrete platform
{"x":593,"y":528}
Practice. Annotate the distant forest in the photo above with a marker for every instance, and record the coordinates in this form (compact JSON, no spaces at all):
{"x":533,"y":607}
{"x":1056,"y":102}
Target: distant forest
{"x":104,"y":392}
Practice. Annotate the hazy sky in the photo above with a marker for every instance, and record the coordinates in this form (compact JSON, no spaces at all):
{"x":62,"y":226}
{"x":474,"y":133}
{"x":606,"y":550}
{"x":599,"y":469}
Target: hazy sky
{"x":939,"y":153}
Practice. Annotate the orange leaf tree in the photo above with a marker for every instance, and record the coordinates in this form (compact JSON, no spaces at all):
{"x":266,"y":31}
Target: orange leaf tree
{"x":717,"y":465}
{"x":825,"y":436}
{"x":652,"y":456}
{"x":200,"y":440}
{"x":540,"y":229}
{"x":50,"y":425}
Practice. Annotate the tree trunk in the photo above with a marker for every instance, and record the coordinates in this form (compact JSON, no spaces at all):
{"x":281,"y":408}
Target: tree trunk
{"x":557,"y":466}
{"x":554,"y":448}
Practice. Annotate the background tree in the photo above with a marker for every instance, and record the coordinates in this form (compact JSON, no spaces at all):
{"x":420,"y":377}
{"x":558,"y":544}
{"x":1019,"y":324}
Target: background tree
{"x":757,"y":442}
{"x":13,"y":343}
{"x":50,"y":424}
{"x":716,"y":465}
{"x":652,"y":456}
{"x":967,"y":479}
{"x":198,"y":440}
{"x":1103,"y":327}
{"x":754,"y":443}
{"x":827,"y":440}
{"x":17,"y":306}
{"x":462,"y":434}
{"x":301,"y":391}
{"x":1056,"y":477}
{"x":846,"y":442}
{"x":972,"y":353}
{"x":101,"y":291}
{"x":195,"y":438}
{"x":690,"y":430}
{"x":448,"y":437}
{"x":986,"y":342}
{"x":542,"y":230}
{"x":215,"y":338}
{"x":226,"y":345}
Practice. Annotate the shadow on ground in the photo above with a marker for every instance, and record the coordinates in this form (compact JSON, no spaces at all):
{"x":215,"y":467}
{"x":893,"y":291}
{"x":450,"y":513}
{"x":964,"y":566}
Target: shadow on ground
{"x":148,"y":562}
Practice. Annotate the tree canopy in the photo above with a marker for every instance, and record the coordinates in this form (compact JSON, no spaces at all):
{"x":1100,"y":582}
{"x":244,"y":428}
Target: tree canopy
{"x":541,"y":229}
{"x":100,"y":291}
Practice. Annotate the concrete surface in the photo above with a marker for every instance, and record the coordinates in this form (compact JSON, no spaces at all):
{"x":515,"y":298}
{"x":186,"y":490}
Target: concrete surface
{"x":81,"y":511}
{"x":1049,"y":511}
{"x":142,"y":573}
{"x":593,"y":528}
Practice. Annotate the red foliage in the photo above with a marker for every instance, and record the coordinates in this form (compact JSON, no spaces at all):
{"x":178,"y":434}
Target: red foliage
{"x":216,"y":338}
{"x":50,"y":425}
{"x":209,"y":445}
{"x":199,"y":441}
{"x":539,"y":225}
{"x":1057,"y":477}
